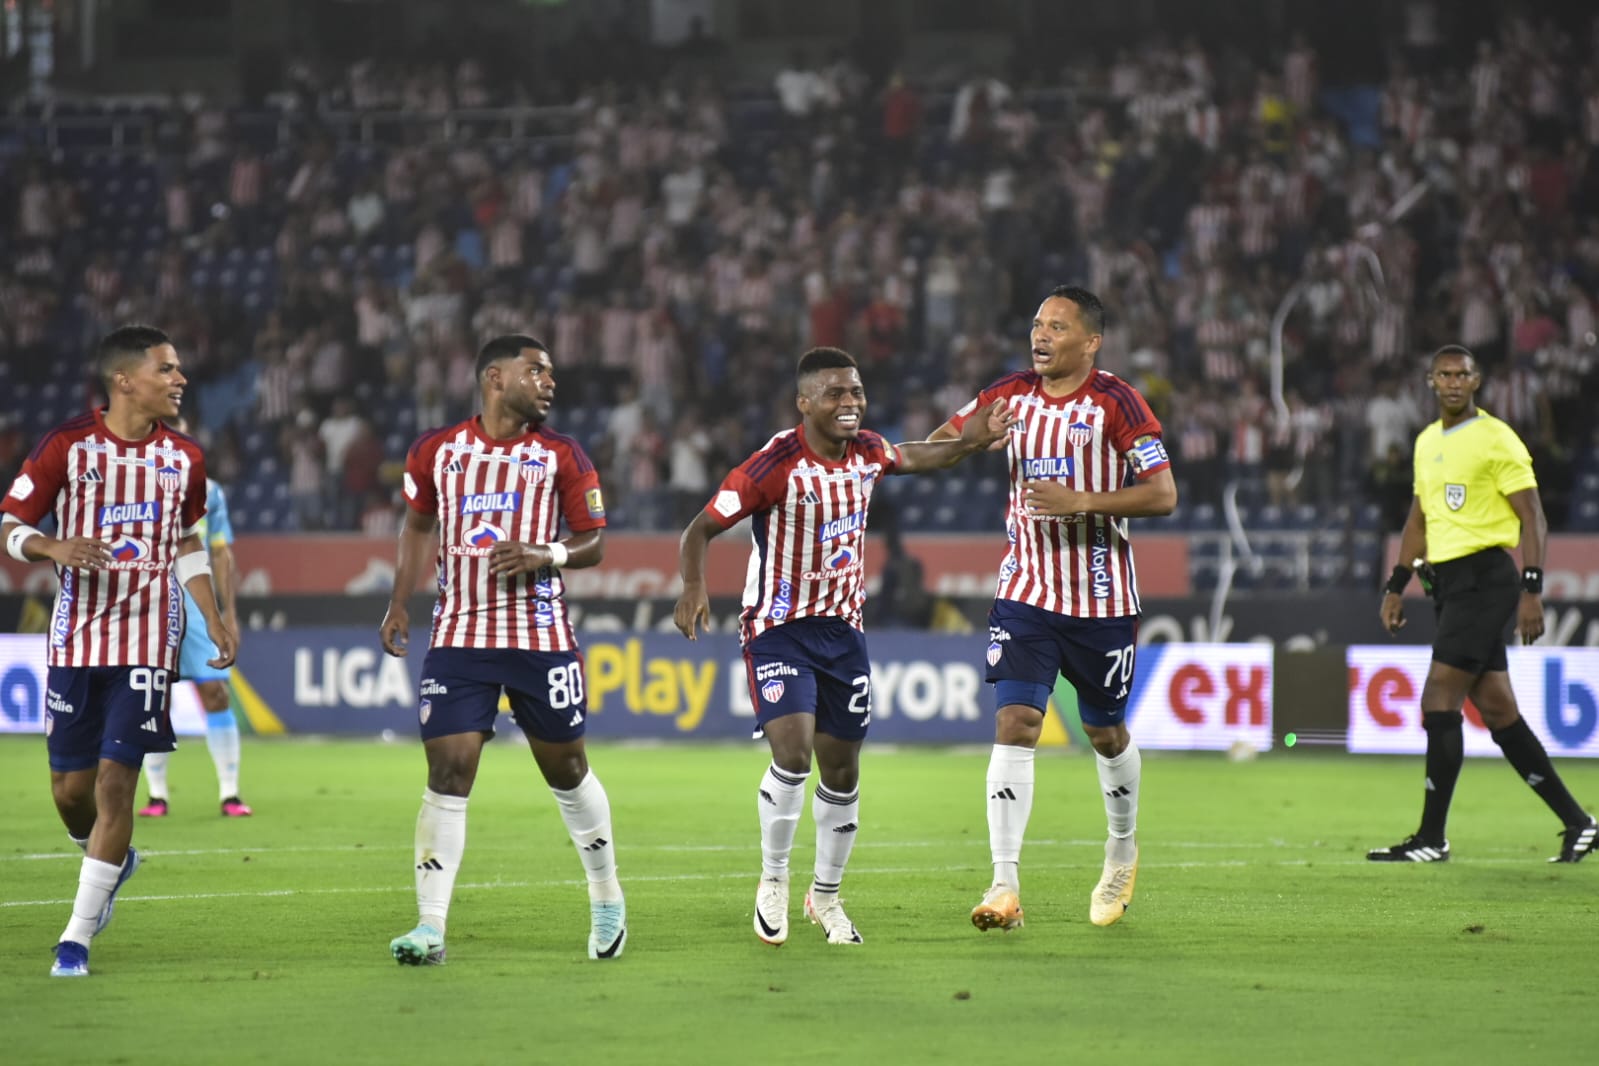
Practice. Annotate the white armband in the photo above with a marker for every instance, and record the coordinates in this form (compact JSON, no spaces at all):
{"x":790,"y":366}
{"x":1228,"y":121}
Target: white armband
{"x":558,"y":553}
{"x":14,"y":541}
{"x":191,"y":566}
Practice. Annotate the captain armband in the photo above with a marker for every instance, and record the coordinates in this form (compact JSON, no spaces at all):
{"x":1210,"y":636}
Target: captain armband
{"x":1148,"y":453}
{"x":1532,"y":580}
{"x":191,"y":566}
{"x":15,"y":540}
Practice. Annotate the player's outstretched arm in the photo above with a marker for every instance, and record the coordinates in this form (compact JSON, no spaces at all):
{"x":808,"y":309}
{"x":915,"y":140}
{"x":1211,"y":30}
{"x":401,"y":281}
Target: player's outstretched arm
{"x":416,"y":548}
{"x":693,"y":610}
{"x":986,"y":426}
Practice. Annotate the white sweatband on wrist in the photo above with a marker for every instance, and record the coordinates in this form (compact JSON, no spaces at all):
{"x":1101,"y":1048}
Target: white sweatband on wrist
{"x":558,"y":553}
{"x":15,"y":539}
{"x":191,"y":566}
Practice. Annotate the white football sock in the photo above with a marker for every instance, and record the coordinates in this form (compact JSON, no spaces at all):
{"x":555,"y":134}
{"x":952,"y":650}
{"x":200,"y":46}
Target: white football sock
{"x":837,"y":819}
{"x":1010,"y":804}
{"x":96,"y":879}
{"x":155,"y":774}
{"x":778,"y":803}
{"x":1118,"y":780}
{"x":440,"y":843}
{"x":586,"y":810}
{"x":222,"y":739}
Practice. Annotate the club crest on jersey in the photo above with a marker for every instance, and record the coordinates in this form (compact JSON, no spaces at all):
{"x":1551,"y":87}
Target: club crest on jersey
{"x":995,"y":652}
{"x":1079,"y":434}
{"x":533,"y":469}
{"x":1047,"y":468}
{"x":488,"y":502}
{"x":1455,"y":496}
{"x":425,"y":711}
{"x":117,"y":514}
{"x":772,"y":691}
{"x":169,"y":478}
{"x":838,"y":527}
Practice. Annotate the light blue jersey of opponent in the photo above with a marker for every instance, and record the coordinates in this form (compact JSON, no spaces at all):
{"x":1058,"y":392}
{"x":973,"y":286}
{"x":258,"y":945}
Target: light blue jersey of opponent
{"x":216,"y":529}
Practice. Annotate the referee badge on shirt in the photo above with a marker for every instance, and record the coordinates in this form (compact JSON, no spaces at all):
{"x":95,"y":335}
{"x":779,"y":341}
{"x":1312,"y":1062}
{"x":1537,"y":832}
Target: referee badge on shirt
{"x":1455,"y":496}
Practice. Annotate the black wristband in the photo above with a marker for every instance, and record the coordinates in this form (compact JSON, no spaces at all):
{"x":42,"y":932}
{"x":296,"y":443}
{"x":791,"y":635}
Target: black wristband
{"x":1398,"y":580}
{"x":1532,"y":580}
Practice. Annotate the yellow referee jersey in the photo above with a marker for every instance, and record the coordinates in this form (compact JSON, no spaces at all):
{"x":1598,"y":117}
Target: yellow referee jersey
{"x":1463,"y":476}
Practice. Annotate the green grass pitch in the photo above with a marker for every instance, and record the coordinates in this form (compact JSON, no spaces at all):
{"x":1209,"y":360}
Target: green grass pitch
{"x":1258,"y":933}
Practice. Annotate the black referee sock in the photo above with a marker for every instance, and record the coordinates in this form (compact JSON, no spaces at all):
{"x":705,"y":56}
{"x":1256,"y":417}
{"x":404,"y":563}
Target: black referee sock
{"x":1446,"y":753}
{"x":1526,"y":753}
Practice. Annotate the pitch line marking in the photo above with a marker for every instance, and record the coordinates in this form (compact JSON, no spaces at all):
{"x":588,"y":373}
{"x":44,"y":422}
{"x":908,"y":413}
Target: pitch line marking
{"x":864,"y":845}
{"x":740,"y":875}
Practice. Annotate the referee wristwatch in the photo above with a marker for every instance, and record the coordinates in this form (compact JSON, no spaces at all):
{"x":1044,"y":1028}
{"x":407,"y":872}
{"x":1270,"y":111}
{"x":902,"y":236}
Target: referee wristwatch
{"x":1532,"y":580}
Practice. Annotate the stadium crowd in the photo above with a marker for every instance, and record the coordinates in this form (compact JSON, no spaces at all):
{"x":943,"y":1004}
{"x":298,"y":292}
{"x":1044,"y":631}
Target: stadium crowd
{"x":678,"y":246}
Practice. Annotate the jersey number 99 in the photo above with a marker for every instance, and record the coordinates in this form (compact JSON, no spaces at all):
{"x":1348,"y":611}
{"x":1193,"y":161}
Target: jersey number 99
{"x":153,"y":683}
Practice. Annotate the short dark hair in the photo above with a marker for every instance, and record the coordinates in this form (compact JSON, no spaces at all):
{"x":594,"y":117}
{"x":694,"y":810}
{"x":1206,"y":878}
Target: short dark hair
{"x":1088,"y":306}
{"x":505,"y":346}
{"x":824,"y":359}
{"x":1451,"y":349}
{"x":124,"y":345}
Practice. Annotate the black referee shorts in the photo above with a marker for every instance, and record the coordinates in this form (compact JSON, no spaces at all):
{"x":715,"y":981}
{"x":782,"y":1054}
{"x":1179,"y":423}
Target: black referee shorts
{"x":1476,"y":598}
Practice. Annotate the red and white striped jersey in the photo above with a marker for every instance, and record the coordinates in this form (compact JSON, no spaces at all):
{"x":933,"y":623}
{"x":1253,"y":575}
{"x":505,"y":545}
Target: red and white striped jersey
{"x":1080,"y":565}
{"x":484,"y":491}
{"x":141,"y":497}
{"x":808,"y":523}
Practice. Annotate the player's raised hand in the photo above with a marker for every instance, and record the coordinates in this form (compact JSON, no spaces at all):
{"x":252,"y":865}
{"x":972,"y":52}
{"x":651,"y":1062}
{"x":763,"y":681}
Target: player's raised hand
{"x":80,"y":553}
{"x":511,"y":557}
{"x":989,"y":424}
{"x":227,"y":642}
{"x":693,"y":612}
{"x":395,"y":632}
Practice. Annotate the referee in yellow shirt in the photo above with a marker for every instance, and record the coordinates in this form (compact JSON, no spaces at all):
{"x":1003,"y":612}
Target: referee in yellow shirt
{"x":1476,"y":498}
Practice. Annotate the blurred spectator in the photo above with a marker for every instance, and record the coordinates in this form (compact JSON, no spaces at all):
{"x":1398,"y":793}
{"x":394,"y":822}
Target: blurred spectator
{"x":1391,"y":485}
{"x":659,"y":227}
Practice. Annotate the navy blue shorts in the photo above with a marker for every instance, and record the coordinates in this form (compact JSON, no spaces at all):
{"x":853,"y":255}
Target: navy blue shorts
{"x":812,"y":666}
{"x":1096,"y":655}
{"x":460,"y":692}
{"x":1476,"y":599}
{"x":119,"y":713}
